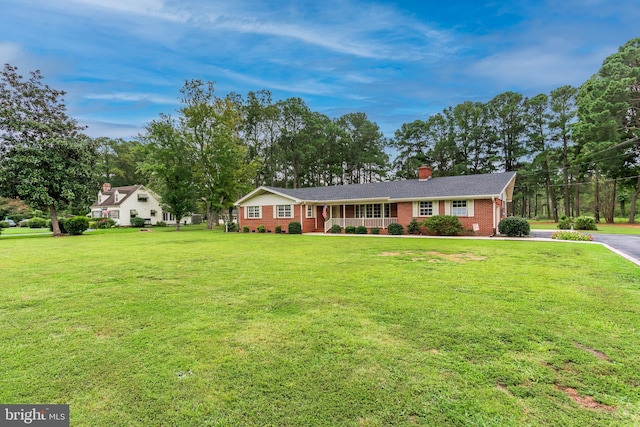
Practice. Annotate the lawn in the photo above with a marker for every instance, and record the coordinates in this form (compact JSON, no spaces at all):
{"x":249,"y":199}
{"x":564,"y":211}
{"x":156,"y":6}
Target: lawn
{"x":603,"y":228}
{"x":23,"y":230}
{"x":198,"y":328}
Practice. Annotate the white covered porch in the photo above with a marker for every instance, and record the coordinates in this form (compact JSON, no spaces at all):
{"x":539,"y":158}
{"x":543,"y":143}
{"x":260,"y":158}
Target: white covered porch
{"x":369,"y":215}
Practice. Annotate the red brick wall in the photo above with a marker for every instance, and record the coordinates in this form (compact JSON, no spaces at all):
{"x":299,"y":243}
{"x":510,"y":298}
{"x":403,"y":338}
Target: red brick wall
{"x":270,"y":222}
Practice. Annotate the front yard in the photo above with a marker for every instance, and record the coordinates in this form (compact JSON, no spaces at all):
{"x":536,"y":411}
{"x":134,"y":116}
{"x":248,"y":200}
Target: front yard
{"x":200,"y":328}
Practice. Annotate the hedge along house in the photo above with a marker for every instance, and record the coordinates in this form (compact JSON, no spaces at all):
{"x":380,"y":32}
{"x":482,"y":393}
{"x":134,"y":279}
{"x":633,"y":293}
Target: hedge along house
{"x":123,"y":203}
{"x":479,"y":201}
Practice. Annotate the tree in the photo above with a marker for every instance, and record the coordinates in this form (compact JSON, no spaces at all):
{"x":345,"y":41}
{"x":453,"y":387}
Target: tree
{"x":212,"y":125}
{"x":609,"y":118}
{"x":507,"y":112}
{"x":170,"y":161}
{"x":46,"y":160}
{"x":563,"y":112}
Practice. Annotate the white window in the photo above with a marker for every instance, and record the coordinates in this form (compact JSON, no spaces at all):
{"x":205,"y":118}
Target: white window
{"x":310,"y":211}
{"x":371,"y":211}
{"x":166,"y":216}
{"x":254,"y":212}
{"x":459,"y":208}
{"x":426,"y":209}
{"x":114,"y":214}
{"x":284,"y":211}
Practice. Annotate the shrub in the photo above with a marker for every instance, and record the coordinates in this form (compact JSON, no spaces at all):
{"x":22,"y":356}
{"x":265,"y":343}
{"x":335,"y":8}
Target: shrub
{"x":245,"y":229}
{"x":375,"y":230}
{"x":137,"y":222}
{"x":161,"y":224}
{"x":295,"y":228}
{"x":4,"y":224}
{"x":76,"y":225}
{"x":443,"y":225}
{"x":105,"y":223}
{"x":336,"y":229}
{"x":396,"y":229}
{"x":585,"y":223}
{"x":413,"y":227}
{"x":92,"y":224}
{"x":231,"y":227}
{"x":565,"y":222}
{"x":571,"y":235}
{"x":278,"y":229}
{"x":514,"y":227}
{"x":37,"y":223}
{"x":61,"y":224}
{"x":361,"y":229}
{"x":261,"y":229}
{"x":350,"y":229}
{"x":23,"y":223}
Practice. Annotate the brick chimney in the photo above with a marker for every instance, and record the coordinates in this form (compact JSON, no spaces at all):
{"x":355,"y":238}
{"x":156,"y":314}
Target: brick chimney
{"x":106,"y":187}
{"x":424,"y":172}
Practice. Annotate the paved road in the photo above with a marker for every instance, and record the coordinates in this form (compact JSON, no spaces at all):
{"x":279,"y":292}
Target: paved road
{"x":626,"y":244}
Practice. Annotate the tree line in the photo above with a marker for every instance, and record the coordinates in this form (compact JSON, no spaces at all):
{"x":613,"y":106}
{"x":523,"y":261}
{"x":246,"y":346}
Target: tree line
{"x":575,"y":149}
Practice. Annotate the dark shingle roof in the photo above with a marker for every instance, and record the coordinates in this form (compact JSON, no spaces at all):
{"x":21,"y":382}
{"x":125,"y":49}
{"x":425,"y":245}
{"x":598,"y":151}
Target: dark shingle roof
{"x":124,"y":192}
{"x":442,"y":187}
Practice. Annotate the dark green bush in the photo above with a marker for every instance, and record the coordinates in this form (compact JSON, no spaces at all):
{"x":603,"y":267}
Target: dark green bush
{"x":278,"y":229}
{"x":375,"y":230}
{"x":396,"y":229}
{"x":443,"y":225}
{"x":350,"y":229}
{"x":585,"y":223}
{"x":295,"y":228}
{"x":336,"y":229}
{"x":245,"y":229}
{"x":361,"y":229}
{"x":105,"y":223}
{"x":76,"y":225}
{"x":37,"y":223}
{"x":261,"y":229}
{"x":232,"y":227}
{"x":61,"y":224}
{"x":514,"y":227}
{"x":4,"y":224}
{"x":565,"y":222}
{"x":413,"y":227}
{"x":137,"y":222}
{"x":161,"y":224}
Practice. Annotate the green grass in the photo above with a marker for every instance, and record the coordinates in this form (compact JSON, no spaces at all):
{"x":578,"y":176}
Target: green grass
{"x":200,"y":328}
{"x":603,"y":228}
{"x":23,"y":230}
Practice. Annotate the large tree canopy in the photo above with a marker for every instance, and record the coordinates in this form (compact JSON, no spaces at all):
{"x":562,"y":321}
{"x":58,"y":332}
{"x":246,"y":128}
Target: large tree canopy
{"x":46,"y":160}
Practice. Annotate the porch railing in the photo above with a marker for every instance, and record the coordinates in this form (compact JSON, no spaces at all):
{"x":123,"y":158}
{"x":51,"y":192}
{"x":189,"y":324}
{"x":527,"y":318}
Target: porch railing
{"x":367,"y":222}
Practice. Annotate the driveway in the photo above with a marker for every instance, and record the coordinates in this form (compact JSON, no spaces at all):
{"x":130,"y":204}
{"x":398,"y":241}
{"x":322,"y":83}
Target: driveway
{"x":626,"y":245}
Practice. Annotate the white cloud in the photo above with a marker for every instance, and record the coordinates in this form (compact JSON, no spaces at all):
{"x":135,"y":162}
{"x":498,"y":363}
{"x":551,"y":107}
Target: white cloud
{"x":131,"y":97}
{"x":149,"y":8}
{"x":9,"y":52}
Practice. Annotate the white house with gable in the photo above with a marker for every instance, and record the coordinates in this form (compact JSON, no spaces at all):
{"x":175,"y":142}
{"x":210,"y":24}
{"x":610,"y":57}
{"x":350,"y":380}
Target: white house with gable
{"x":123,"y":203}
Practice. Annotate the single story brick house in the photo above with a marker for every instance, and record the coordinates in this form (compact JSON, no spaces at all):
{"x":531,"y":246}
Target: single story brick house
{"x":479,"y":201}
{"x":123,"y":203}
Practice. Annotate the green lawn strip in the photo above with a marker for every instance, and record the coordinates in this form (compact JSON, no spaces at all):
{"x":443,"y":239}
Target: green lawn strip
{"x":201,"y":328}
{"x":23,"y":230}
{"x":603,"y":228}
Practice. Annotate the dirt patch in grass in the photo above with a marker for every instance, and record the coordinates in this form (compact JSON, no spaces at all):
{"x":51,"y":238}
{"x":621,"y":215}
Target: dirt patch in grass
{"x":503,"y":388}
{"x":596,"y":353}
{"x":436,"y":256}
{"x":585,"y":401}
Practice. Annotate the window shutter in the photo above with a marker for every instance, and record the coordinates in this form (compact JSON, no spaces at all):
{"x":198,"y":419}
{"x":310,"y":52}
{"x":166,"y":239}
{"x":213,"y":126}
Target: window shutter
{"x":447,"y":207}
{"x":416,"y":209}
{"x":436,"y":207}
{"x":470,"y":211}
{"x":244,"y":212}
{"x":275,"y":211}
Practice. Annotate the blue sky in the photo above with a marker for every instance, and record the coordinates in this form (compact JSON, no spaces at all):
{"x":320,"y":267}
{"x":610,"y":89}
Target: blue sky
{"x":123,"y":62}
